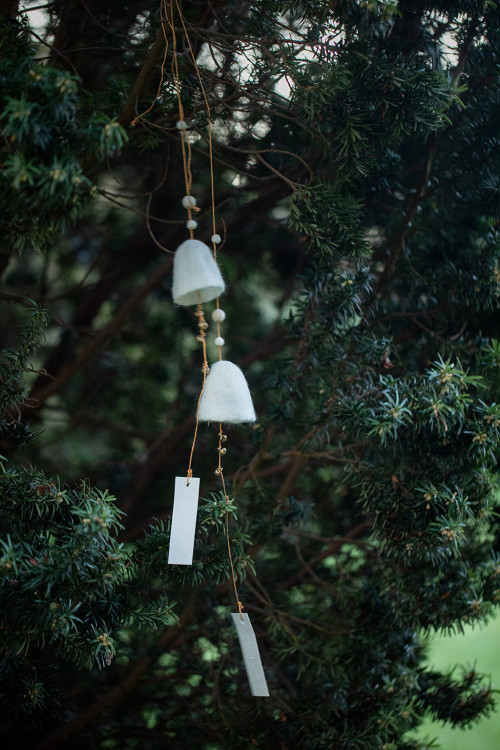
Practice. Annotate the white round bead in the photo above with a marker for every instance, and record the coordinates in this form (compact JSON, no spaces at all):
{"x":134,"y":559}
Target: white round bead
{"x":191,"y":224}
{"x":216,"y":239}
{"x":218,"y":315}
{"x":189,"y":201}
{"x":181,"y":125}
{"x":219,"y":341}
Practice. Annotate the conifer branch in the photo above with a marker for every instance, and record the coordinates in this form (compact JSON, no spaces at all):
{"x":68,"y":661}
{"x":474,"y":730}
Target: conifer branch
{"x":127,"y":684}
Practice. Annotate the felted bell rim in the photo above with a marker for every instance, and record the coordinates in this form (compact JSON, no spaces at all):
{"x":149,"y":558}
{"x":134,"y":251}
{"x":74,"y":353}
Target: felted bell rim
{"x":196,"y":275}
{"x":226,"y":396}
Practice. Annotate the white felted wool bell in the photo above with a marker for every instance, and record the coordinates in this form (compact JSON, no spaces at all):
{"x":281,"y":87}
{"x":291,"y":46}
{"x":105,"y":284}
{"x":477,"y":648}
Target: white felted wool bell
{"x":196,"y":274}
{"x":226,"y":396}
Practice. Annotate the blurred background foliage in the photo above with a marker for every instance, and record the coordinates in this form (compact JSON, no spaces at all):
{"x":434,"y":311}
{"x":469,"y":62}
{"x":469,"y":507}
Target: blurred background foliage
{"x":475,"y":648}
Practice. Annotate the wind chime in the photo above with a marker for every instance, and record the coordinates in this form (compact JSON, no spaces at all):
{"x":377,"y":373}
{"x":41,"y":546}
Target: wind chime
{"x":224,"y":396}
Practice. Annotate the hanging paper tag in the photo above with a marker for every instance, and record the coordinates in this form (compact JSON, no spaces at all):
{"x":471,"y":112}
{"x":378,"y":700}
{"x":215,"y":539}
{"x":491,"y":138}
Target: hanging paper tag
{"x":251,"y":656}
{"x":183,"y":528}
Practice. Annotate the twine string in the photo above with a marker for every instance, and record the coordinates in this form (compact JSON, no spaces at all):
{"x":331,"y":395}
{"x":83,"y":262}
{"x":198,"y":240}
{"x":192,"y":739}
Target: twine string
{"x":168,"y":16}
{"x":185,"y":143}
{"x":210,"y":148}
{"x":209,"y":118}
{"x":186,"y":147}
{"x":220,"y":472}
{"x":202,"y":337}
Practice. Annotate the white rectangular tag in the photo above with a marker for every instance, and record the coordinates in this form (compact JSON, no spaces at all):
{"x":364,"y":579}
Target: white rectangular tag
{"x":180,"y":551}
{"x":251,"y":655}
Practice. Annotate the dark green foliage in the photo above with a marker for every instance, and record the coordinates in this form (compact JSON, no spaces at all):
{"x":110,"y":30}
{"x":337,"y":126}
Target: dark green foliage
{"x":65,"y":582}
{"x":13,"y":366}
{"x":440,"y":445}
{"x":45,"y":138}
{"x":331,"y":222}
{"x":210,"y":558}
{"x":356,"y":158}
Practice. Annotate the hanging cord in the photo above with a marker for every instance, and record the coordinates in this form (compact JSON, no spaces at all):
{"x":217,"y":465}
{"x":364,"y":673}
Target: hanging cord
{"x":185,"y":142}
{"x":209,"y":118}
{"x":210,"y":153}
{"x":202,"y":338}
{"x":215,"y":239}
{"x":220,"y":473}
{"x":167,"y":16}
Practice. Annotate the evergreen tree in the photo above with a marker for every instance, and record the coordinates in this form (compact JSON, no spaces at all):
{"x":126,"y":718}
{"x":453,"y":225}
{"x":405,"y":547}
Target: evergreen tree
{"x":357,"y":173}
